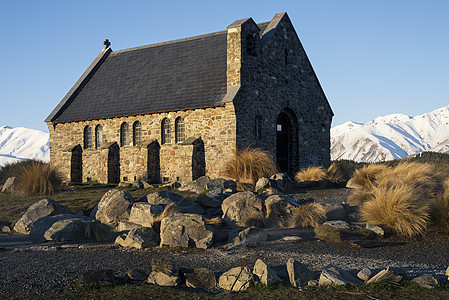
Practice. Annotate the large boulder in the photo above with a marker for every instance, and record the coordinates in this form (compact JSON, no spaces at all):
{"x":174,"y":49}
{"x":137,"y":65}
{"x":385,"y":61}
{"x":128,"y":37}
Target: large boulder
{"x":236,"y":279}
{"x":185,"y":230}
{"x":332,"y":275}
{"x":114,"y":206}
{"x":248,"y":236}
{"x":282,"y":205}
{"x":196,"y":186}
{"x":201,"y":278}
{"x":266,"y":275}
{"x":243,"y":206}
{"x":333,"y":211}
{"x":40,"y":209}
{"x":167,"y":197}
{"x":385,"y":275}
{"x":220,"y":183}
{"x":299,"y":274}
{"x":139,"y":238}
{"x":143,"y":213}
{"x":61,"y":228}
{"x":163,"y":273}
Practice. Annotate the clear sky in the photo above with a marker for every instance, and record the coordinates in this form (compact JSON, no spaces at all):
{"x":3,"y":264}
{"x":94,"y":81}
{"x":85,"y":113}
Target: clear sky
{"x":372,"y":57}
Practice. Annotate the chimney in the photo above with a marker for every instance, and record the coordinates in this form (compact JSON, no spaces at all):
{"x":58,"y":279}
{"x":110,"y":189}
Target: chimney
{"x":243,"y":45}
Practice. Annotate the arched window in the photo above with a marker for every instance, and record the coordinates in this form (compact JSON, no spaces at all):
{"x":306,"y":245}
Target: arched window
{"x":124,"y":134}
{"x":87,"y":137}
{"x":98,"y":136}
{"x":137,"y":133}
{"x":165,"y":131}
{"x":258,"y":128}
{"x":179,"y":130}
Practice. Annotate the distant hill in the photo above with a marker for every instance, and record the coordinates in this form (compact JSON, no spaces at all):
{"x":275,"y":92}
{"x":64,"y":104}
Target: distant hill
{"x":23,"y":143}
{"x":391,"y":137}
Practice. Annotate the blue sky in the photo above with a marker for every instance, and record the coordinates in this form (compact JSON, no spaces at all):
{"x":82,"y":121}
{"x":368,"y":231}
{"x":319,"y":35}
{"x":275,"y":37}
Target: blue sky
{"x":372,"y":57}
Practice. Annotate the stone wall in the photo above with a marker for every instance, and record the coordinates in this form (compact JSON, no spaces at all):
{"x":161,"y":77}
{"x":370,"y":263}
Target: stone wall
{"x":214,"y":127}
{"x":278,"y":77}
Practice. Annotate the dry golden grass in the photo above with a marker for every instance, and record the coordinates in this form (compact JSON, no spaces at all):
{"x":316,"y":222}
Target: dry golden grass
{"x":169,"y":210}
{"x":311,"y":174}
{"x":398,"y":207}
{"x":250,"y":165}
{"x":37,"y":178}
{"x":256,"y":221}
{"x":440,"y":210}
{"x":366,"y":176}
{"x":213,"y":221}
{"x":307,"y":216}
{"x":358,"y":197}
{"x":335,"y":173}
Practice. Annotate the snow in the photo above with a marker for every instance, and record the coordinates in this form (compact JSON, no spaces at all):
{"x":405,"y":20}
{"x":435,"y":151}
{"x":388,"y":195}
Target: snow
{"x":391,"y":137}
{"x":21,"y":143}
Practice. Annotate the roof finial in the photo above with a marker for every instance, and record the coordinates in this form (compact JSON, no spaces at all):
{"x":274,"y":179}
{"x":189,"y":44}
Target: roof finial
{"x":106,"y":43}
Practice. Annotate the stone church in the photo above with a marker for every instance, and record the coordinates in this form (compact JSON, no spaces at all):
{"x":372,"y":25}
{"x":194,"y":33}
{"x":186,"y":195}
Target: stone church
{"x":177,"y":110}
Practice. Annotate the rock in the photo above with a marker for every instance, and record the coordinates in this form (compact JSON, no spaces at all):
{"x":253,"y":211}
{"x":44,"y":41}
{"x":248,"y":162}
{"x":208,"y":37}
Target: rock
{"x":10,"y":185}
{"x":185,"y":230}
{"x":163,"y":273}
{"x":243,"y":206}
{"x":236,"y":279}
{"x":447,"y":272}
{"x":201,"y":278}
{"x":364,"y":274}
{"x":262,"y":183}
{"x":143,"y":213}
{"x":114,"y":206}
{"x":332,"y":275}
{"x":97,"y":277}
{"x":220,"y":183}
{"x":93,"y":212}
{"x":385,"y":275}
{"x":265,"y":274}
{"x":282,"y":206}
{"x":312,"y":282}
{"x":139,"y":238}
{"x":172,"y":185}
{"x":299,"y":274}
{"x":339,"y":224}
{"x":208,"y":202}
{"x":42,"y":208}
{"x":126,"y":226}
{"x":282,"y":180}
{"x":125,"y":184}
{"x":251,"y":235}
{"x":6,"y":229}
{"x":427,"y":281}
{"x":61,"y":228}
{"x":167,"y":197}
{"x":197,"y":186}
{"x":333,"y":211}
{"x":147,"y":185}
{"x":291,"y":238}
{"x":376,"y":229}
{"x":136,"y":275}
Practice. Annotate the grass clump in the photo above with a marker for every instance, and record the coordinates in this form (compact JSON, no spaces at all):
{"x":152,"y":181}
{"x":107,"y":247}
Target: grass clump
{"x":307,"y":216}
{"x":250,"y":165}
{"x":440,"y":209}
{"x":36,"y":178}
{"x":311,"y":173}
{"x":366,"y":176}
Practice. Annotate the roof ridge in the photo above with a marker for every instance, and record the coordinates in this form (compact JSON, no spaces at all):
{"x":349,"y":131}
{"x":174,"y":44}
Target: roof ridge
{"x":176,"y":41}
{"x":171,"y":42}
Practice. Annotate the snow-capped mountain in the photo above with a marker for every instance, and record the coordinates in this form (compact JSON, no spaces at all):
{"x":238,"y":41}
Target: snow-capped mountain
{"x":391,"y":137}
{"x":23,"y":143}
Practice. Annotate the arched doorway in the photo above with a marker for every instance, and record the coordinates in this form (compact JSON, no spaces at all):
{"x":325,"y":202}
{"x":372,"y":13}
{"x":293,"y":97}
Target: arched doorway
{"x":114,"y":163}
{"x":198,"y":159}
{"x":154,"y":162}
{"x":76,"y":164}
{"x":286,"y":141}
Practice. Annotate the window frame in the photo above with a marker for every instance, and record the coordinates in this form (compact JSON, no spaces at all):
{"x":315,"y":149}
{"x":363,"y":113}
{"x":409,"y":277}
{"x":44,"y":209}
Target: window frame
{"x":165,"y":131}
{"x":87,"y":136}
{"x":124,"y":134}
{"x":98,"y":136}
{"x":180,"y":131}
{"x":137,"y":133}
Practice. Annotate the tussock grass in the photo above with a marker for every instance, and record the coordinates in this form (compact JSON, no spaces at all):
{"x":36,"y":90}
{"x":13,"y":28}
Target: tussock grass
{"x":213,"y":221}
{"x":359,"y":197}
{"x":335,"y":173}
{"x":440,"y":209}
{"x":169,"y":210}
{"x":311,"y":174}
{"x":250,"y":165}
{"x":307,"y":216}
{"x":256,"y":221}
{"x":366,"y":176}
{"x":397,"y":207}
{"x":37,"y":178}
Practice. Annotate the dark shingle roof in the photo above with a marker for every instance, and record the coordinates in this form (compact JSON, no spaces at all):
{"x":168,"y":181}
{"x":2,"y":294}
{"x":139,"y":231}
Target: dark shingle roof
{"x":175,"y":75}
